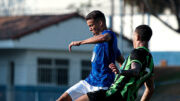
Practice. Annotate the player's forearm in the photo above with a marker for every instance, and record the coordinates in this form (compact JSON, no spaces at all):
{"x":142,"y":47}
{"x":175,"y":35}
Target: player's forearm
{"x":91,"y":41}
{"x":120,"y":60}
{"x":146,"y":96}
{"x":149,"y":89}
{"x":96,"y":39}
{"x":133,"y":72}
{"x":129,"y":73}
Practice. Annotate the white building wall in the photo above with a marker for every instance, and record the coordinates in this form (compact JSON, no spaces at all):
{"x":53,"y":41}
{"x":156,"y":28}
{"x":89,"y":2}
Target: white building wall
{"x":74,"y":69}
{"x":3,"y":71}
{"x":57,"y":36}
{"x":26,"y":65}
{"x":163,"y":39}
{"x":17,"y":57}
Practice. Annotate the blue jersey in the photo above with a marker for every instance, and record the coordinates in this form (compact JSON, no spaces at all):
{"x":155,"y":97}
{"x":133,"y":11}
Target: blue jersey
{"x":103,"y":54}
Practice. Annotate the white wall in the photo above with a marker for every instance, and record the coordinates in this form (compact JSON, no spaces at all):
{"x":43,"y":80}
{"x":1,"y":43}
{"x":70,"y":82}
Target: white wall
{"x":163,"y":39}
{"x":57,"y":36}
{"x":3,"y":72}
{"x":26,"y":65}
{"x":73,"y":57}
{"x":16,"y":56}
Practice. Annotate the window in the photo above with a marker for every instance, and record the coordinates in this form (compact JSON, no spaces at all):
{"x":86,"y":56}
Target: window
{"x":61,"y":71}
{"x":11,"y":73}
{"x":53,"y":71}
{"x":86,"y":68}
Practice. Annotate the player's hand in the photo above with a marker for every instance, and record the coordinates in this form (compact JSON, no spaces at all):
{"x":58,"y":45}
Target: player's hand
{"x":74,"y":43}
{"x":113,"y":67}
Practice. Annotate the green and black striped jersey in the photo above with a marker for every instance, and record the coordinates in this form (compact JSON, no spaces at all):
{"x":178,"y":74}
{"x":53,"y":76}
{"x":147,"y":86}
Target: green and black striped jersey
{"x":128,"y":86}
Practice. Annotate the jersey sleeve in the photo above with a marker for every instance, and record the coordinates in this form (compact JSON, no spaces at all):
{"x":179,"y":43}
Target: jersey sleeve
{"x":141,"y":57}
{"x":107,"y":32}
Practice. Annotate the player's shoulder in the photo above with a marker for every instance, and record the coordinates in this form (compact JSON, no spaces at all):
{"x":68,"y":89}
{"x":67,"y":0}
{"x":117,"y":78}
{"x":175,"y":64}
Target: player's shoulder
{"x":135,"y":51}
{"x":138,"y":54}
{"x":107,"y":32}
{"x":139,"y":51}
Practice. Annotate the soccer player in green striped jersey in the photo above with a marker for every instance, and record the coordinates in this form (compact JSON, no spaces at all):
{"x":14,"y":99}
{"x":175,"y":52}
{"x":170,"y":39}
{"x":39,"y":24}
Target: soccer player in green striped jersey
{"x":138,"y":69}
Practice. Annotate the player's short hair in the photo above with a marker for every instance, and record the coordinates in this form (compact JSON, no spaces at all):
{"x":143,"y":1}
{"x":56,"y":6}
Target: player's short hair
{"x":96,"y":15}
{"x":144,"y":31}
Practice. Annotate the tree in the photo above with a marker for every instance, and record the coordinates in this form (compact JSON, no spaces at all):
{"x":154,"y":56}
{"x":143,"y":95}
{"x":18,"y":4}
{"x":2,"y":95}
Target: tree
{"x":157,"y":7}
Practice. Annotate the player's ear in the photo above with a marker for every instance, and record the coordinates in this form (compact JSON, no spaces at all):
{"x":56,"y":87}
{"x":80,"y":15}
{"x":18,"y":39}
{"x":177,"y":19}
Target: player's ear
{"x":100,"y":23}
{"x":138,"y":37}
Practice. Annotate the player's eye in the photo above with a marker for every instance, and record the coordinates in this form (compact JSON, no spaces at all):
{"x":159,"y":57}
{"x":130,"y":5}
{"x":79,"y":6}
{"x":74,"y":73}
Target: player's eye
{"x":90,"y":25}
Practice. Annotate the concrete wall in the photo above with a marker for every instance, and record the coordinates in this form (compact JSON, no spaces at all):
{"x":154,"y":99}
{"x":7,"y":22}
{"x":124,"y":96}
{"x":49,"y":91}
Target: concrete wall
{"x":16,"y":56}
{"x":26,"y":64}
{"x":74,"y":58}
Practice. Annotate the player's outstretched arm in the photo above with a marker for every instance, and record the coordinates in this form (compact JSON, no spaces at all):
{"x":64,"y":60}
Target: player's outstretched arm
{"x":93,"y":40}
{"x":149,"y":89}
{"x":74,"y":43}
{"x":97,"y":39}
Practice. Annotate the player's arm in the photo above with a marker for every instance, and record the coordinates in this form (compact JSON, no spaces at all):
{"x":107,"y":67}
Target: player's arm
{"x":97,"y":39}
{"x":137,"y":58}
{"x":133,"y":72}
{"x":93,"y":40}
{"x":149,"y":89}
{"x":119,"y":58}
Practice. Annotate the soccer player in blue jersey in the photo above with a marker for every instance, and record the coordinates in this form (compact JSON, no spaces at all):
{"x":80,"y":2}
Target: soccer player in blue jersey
{"x":104,"y":53}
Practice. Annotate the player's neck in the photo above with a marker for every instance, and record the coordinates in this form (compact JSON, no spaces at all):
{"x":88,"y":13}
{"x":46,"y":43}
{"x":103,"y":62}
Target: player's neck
{"x":141,"y":44}
{"x":104,"y":28}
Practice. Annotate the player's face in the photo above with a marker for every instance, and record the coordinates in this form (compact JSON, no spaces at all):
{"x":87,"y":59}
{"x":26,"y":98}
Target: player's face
{"x":93,"y":26}
{"x":135,"y":38}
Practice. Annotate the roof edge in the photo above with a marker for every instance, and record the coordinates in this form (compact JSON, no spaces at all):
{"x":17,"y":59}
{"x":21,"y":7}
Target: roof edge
{"x":66,"y":17}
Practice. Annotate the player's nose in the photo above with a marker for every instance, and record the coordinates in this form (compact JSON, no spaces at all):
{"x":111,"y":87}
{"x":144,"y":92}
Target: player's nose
{"x":90,"y":28}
